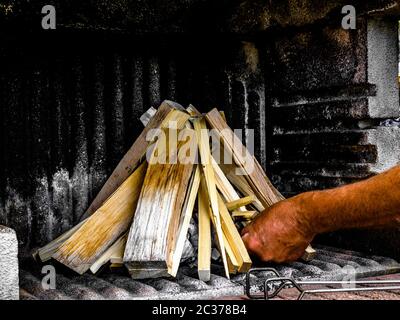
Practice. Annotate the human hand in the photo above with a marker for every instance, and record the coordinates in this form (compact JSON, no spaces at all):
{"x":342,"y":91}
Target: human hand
{"x":279,"y":234}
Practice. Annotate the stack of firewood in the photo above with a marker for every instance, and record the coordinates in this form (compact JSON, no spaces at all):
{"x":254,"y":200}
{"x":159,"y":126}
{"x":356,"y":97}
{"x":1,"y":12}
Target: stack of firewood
{"x":140,"y":218}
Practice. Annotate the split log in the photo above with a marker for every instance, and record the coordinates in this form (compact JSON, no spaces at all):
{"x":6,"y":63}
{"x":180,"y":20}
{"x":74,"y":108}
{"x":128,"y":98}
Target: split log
{"x":261,"y":186}
{"x":104,"y":227}
{"x":208,"y":171}
{"x":132,"y":158}
{"x":186,"y":216}
{"x":254,"y":174}
{"x":240,"y":182}
{"x":227,"y":191}
{"x":45,"y":253}
{"x":204,"y":238}
{"x":233,"y":237}
{"x":153,"y":232}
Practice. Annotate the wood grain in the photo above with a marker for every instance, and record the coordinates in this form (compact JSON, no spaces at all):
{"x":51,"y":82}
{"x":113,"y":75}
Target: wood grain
{"x":45,"y":253}
{"x":254,"y":174}
{"x":134,"y":155}
{"x":234,"y":238}
{"x":186,"y":216}
{"x":227,"y":191}
{"x":104,"y":227}
{"x":240,"y":182}
{"x":249,"y":215}
{"x":240,"y":203}
{"x":153,"y":231}
{"x":204,"y":238}
{"x":208,"y":171}
{"x":261,"y":186}
{"x":113,"y":254}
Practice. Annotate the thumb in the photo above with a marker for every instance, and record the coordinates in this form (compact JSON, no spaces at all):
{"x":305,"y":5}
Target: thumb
{"x":249,"y":242}
{"x":246,"y":230}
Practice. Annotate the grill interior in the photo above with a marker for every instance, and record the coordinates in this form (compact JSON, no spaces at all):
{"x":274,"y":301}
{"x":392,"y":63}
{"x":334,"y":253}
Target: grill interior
{"x":328,"y":265}
{"x":319,"y":99}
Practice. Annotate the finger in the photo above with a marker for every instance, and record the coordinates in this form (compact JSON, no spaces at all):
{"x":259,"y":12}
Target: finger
{"x":246,"y":229}
{"x":251,"y":243}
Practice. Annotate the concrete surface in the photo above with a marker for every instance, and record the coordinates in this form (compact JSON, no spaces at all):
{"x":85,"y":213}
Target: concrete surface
{"x":9,"y":289}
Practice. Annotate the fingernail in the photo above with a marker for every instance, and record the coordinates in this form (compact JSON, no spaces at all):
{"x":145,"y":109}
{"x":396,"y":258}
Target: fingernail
{"x":245,"y":236}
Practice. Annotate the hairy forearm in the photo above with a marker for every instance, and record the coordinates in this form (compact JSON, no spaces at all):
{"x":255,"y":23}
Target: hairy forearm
{"x":374,"y":202}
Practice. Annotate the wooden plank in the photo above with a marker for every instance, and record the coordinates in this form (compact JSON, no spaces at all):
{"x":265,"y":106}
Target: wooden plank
{"x":146,"y":117}
{"x":249,"y":215}
{"x":119,"y":258}
{"x":45,"y":253}
{"x":223,"y":185}
{"x":193,"y":111}
{"x":233,"y":263}
{"x":111,"y":254}
{"x":239,"y":203}
{"x":204,"y":237}
{"x":233,"y":237}
{"x":261,"y":186}
{"x":186,"y":216}
{"x":132,"y":158}
{"x":258,"y":180}
{"x":153,"y":232}
{"x":208,"y":171}
{"x":240,"y":183}
{"x":104,"y":227}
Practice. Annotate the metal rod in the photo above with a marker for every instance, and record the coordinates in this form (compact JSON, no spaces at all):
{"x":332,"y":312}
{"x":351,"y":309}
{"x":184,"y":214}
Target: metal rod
{"x":303,"y":293}
{"x":248,"y":282}
{"x":285,"y":282}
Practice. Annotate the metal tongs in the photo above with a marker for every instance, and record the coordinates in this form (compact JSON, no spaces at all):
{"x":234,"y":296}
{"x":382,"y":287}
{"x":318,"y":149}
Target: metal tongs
{"x":279,"y":283}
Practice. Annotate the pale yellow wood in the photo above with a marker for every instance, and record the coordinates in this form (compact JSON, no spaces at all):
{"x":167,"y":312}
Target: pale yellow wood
{"x":309,"y":254}
{"x":255,"y":175}
{"x":193,"y":111}
{"x":116,"y":250}
{"x":233,"y":263}
{"x":249,"y":215}
{"x":222,"y":113}
{"x":45,"y":253}
{"x":164,"y":116}
{"x":152,"y":235}
{"x":208,"y":171}
{"x":204,"y":237}
{"x":186,"y":216}
{"x":236,"y":204}
{"x":224,"y":186}
{"x":117,"y":259}
{"x":234,"y":238}
{"x":104,"y":227}
{"x":240,"y":183}
{"x":146,"y":117}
